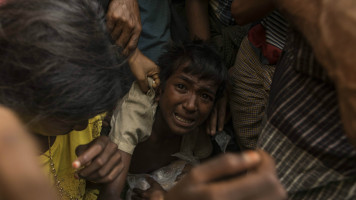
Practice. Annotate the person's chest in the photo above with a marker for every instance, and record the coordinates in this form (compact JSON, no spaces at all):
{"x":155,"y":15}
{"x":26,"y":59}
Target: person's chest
{"x":149,"y":156}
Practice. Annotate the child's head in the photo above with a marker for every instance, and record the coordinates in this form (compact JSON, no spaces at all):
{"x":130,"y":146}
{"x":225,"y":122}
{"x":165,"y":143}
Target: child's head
{"x":57,"y":61}
{"x":192,"y":78}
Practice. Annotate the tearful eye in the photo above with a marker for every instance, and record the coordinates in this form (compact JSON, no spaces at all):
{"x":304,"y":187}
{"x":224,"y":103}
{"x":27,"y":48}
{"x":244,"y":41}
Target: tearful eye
{"x":181,"y":86}
{"x":207,"y":97}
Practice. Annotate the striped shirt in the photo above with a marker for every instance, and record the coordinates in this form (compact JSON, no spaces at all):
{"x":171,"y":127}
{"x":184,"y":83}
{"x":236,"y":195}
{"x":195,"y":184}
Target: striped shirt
{"x":276,"y":29}
{"x":222,"y":10}
{"x":304,"y":131}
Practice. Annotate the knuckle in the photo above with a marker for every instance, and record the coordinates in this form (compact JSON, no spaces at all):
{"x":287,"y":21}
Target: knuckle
{"x":116,"y":15}
{"x":109,"y":179}
{"x":113,"y":146}
{"x":100,"y":162}
{"x":101,"y":172}
{"x":118,"y":156}
{"x":194,"y":174}
{"x":138,"y":28}
{"x":282,"y":193}
{"x":121,"y":167}
{"x":229,"y":159}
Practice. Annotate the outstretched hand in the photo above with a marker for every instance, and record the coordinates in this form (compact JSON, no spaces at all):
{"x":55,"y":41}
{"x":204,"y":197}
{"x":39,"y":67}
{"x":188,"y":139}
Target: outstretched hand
{"x":216,"y":179}
{"x":99,"y":161}
{"x":124,"y":23}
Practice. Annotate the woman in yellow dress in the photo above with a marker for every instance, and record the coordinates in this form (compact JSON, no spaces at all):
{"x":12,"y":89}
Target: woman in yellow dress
{"x":60,"y":73}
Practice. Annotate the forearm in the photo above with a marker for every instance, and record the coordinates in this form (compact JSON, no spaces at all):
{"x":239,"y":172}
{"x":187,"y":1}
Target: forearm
{"x":247,"y":11}
{"x":112,"y":191}
{"x":198,"y":18}
{"x":330,"y":28}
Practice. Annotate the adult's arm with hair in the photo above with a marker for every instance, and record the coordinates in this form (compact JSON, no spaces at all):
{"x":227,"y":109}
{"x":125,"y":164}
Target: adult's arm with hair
{"x":215,"y":179}
{"x":143,"y":67}
{"x":21,"y":176}
{"x":330,"y":28}
{"x":247,"y":11}
{"x":198,"y":18}
{"x":124,"y":23}
{"x":113,"y":190}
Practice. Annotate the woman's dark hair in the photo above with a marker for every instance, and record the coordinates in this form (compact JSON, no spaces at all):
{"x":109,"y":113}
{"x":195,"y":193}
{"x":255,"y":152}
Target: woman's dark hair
{"x":197,"y":58}
{"x":56,"y":59}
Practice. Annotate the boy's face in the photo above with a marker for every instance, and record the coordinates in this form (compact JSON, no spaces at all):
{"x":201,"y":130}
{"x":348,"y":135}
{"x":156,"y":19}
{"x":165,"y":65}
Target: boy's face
{"x":53,"y":127}
{"x":186,"y":101}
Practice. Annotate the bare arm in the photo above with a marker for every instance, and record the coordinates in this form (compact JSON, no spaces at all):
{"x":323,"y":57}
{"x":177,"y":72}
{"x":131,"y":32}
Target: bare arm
{"x":142,"y":67}
{"x":247,"y":11}
{"x":21,"y":176}
{"x":330,"y":28}
{"x":198,"y":18}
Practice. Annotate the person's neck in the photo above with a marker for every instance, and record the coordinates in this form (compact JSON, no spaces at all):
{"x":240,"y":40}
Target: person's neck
{"x":42,"y":141}
{"x":161,"y":130}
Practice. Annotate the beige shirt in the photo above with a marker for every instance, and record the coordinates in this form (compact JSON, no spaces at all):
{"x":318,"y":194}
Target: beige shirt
{"x":132,"y":123}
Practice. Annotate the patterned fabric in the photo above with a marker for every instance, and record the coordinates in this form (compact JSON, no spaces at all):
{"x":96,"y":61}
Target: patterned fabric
{"x":304,"y":132}
{"x":276,"y":29}
{"x":222,"y":10}
{"x":250,"y":82}
{"x":63,"y":153}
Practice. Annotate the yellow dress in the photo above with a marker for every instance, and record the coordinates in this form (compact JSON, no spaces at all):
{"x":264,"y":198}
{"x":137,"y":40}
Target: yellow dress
{"x":63,"y":154}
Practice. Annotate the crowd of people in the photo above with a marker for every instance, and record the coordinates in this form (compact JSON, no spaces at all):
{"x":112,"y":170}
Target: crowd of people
{"x":170,"y":99}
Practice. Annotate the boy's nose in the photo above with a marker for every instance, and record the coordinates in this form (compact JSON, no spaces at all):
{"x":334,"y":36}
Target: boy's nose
{"x":190,"y":103}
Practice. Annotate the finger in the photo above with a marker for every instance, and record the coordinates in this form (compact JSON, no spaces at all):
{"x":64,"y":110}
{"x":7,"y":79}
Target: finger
{"x":124,"y":38}
{"x":213,"y":119}
{"x":131,"y":45}
{"x":138,"y":192}
{"x":105,"y":170}
{"x":113,"y":15}
{"x":112,"y":175}
{"x":115,"y":34}
{"x":100,"y":161}
{"x":225,"y":165}
{"x":222,"y":113}
{"x":267,"y":162}
{"x":94,"y":149}
{"x":136,"y":197}
{"x":110,"y":23}
{"x":143,"y":84}
{"x":150,"y":180}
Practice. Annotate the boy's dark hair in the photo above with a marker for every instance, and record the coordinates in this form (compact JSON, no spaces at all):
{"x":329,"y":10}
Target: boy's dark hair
{"x":56,"y":59}
{"x":197,"y":58}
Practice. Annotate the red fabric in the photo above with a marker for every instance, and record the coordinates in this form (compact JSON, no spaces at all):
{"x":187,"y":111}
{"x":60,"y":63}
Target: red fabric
{"x":257,"y":36}
{"x":2,"y":2}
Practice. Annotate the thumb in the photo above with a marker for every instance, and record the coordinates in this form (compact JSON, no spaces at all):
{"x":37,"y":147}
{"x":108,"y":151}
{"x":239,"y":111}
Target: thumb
{"x":143,"y":84}
{"x":79,"y":151}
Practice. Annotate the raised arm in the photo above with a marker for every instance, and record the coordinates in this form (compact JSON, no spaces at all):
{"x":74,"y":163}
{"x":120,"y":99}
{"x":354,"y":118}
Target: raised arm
{"x":198,"y":18}
{"x":330,"y":28}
